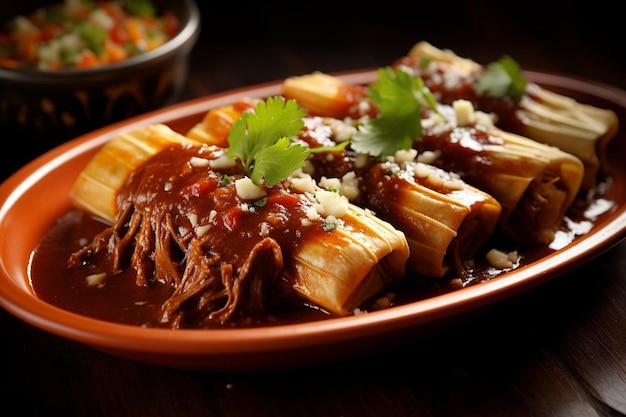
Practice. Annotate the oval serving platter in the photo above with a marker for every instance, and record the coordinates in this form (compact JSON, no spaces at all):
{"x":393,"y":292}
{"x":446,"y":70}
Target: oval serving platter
{"x":35,"y":196}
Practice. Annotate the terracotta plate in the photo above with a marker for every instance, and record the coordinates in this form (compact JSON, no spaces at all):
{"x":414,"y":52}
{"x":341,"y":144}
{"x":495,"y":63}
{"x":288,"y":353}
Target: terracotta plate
{"x":34,"y":197}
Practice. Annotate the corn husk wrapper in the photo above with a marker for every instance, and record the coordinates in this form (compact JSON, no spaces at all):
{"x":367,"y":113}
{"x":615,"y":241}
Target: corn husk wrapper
{"x":338,"y":270}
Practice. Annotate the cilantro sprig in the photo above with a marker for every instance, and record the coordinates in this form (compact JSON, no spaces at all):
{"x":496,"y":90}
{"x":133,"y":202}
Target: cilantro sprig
{"x":502,"y":78}
{"x":399,"y":97}
{"x":261,"y":141}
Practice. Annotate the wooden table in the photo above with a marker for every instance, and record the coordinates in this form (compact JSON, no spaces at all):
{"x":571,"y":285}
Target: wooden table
{"x":557,"y":350}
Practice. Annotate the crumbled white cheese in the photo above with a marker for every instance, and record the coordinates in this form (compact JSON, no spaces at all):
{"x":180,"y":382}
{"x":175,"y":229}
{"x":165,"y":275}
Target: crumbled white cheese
{"x":330,"y":183}
{"x":331,"y":203}
{"x":247,"y":190}
{"x":312,"y":214}
{"x":302,"y":182}
{"x":222,"y":162}
{"x":195,"y":161}
{"x":361,"y":160}
{"x":364,"y":107}
{"x":439,"y":122}
{"x":485,"y":119}
{"x":502,"y":260}
{"x":350,"y":186}
{"x":202,"y":229}
{"x":347,"y":186}
{"x":404,"y":155}
{"x":436,"y":177}
{"x":451,"y":80}
{"x":421,"y":170}
{"x":342,"y":131}
{"x":464,"y":111}
{"x":95,"y":279}
{"x":428,"y":157}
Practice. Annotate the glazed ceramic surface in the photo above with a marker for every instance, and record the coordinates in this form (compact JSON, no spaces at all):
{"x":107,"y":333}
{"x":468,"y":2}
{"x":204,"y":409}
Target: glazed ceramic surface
{"x":33,"y":198}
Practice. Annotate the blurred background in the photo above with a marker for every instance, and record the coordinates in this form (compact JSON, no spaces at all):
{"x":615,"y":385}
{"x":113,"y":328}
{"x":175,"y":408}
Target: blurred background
{"x":256,"y":43}
{"x":241,"y":44}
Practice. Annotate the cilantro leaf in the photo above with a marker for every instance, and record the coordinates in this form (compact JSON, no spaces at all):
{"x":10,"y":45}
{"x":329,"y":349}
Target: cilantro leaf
{"x":261,"y":140}
{"x":399,"y":97}
{"x":502,"y":78}
{"x":292,"y":156}
{"x":144,"y":8}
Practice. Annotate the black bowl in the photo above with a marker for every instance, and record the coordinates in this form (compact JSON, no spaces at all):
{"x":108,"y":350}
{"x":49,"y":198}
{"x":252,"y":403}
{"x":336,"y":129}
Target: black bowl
{"x":42,"y":109}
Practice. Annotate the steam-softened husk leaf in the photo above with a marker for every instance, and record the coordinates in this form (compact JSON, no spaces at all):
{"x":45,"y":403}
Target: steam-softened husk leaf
{"x":213,"y":129}
{"x":320,"y":93}
{"x":96,"y":187}
{"x":432,"y":209}
{"x":548,"y":117}
{"x":341,"y":270}
{"x":337,"y":270}
{"x":518,"y":170}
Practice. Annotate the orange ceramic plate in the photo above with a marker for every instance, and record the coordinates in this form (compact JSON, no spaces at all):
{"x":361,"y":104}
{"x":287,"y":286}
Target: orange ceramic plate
{"x":34,"y":197}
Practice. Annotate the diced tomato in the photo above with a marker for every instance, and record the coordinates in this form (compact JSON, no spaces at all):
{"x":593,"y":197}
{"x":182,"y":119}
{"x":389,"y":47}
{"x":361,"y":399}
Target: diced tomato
{"x":117,"y":35}
{"x":114,"y":52}
{"x":135,"y":33}
{"x":232,"y":218}
{"x":87,"y":59}
{"x":288,"y":201}
{"x":199,"y":188}
{"x":27,"y":49}
{"x":49,"y":32}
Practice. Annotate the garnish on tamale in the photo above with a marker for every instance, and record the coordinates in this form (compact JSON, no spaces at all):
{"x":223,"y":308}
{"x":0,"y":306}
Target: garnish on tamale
{"x":233,"y":234}
{"x":520,"y":106}
{"x":535,"y":183}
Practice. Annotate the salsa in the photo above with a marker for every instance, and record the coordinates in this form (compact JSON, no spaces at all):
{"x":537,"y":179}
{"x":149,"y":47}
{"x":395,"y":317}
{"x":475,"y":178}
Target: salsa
{"x":79,"y":34}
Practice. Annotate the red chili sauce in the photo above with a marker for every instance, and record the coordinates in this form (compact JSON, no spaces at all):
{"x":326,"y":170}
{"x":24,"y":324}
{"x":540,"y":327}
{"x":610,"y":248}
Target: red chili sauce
{"x":125,"y":298}
{"x":154,"y":238}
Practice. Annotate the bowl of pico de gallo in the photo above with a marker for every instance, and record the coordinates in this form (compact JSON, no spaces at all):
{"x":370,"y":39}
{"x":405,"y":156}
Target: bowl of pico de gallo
{"x":70,"y":66}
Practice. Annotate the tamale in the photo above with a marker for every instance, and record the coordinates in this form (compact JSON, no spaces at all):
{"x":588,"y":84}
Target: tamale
{"x":184,"y":221}
{"x":578,"y":128}
{"x":534,"y":182}
{"x":446,"y":221}
{"x":96,"y":187}
{"x":322,"y":95}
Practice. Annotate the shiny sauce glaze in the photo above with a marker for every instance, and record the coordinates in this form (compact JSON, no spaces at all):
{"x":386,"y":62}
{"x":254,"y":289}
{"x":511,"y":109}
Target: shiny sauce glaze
{"x":123,"y":300}
{"x":141,"y":272}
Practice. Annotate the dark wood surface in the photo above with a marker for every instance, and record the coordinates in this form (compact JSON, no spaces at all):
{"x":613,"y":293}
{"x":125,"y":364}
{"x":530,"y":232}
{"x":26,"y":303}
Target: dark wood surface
{"x":556,"y":350}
